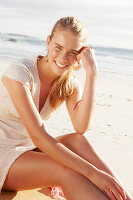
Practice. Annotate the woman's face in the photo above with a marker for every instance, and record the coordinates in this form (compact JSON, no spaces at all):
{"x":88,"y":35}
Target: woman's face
{"x":63,"y":49}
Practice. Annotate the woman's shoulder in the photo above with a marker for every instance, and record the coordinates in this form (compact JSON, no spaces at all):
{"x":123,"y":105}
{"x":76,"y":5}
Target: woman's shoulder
{"x":22,"y":70}
{"x":22,"y":66}
{"x":27,"y":62}
{"x":30,"y":62}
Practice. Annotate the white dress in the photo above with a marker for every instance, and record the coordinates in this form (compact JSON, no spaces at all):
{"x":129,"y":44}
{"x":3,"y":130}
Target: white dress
{"x":14,"y":138}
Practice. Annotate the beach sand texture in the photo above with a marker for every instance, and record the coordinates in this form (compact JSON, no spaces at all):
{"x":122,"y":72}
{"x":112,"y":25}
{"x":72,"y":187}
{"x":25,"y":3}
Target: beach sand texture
{"x":37,"y":194}
{"x":27,"y":195}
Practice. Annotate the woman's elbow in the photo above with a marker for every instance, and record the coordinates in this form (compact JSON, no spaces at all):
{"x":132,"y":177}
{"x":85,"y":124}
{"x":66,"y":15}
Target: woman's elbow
{"x":81,"y":131}
{"x":81,"y":127}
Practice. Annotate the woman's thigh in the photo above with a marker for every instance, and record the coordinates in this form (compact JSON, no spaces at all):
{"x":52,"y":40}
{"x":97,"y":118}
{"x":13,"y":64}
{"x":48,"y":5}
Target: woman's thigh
{"x":33,"y":170}
{"x":36,"y":170}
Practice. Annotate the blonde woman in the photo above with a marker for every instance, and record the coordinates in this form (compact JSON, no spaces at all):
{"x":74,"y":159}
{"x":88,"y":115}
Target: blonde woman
{"x":31,"y":89}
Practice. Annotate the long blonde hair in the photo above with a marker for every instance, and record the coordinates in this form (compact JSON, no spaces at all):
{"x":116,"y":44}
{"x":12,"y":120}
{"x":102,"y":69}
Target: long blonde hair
{"x":63,"y":85}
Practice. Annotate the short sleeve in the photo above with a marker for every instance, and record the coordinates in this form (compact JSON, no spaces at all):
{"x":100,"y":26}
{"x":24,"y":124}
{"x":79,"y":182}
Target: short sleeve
{"x":19,"y":72}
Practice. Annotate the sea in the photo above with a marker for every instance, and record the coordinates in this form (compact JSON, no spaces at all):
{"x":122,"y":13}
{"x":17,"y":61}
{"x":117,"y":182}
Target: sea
{"x":114,"y":60}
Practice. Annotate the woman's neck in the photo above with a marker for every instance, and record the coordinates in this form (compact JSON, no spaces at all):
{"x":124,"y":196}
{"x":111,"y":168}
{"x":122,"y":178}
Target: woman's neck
{"x":45,"y":74}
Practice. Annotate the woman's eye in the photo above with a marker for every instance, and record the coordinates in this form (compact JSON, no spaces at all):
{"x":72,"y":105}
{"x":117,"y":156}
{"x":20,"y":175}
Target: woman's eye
{"x":58,"y":47}
{"x":73,"y":53}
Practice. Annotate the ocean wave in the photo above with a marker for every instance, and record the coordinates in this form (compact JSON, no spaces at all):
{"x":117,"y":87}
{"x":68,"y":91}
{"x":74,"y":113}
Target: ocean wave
{"x":110,"y":59}
{"x":122,"y":53}
{"x":104,"y":50}
{"x":14,"y":38}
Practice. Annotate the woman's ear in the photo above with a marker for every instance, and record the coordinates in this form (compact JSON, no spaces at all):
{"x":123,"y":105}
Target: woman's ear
{"x":48,"y":40}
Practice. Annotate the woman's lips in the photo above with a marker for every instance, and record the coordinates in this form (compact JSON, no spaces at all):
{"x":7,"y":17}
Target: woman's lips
{"x":60,"y":66}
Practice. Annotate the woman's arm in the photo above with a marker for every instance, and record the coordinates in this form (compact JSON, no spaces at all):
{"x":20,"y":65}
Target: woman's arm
{"x":81,"y":116}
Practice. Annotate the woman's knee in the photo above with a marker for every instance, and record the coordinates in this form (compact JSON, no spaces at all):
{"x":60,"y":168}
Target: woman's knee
{"x":75,"y":141}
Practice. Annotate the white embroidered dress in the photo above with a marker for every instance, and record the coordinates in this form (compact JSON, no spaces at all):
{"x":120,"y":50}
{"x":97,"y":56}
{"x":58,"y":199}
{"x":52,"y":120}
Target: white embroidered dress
{"x":14,"y":138}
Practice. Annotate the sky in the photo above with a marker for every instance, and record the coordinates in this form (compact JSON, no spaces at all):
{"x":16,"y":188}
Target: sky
{"x":109,"y":22}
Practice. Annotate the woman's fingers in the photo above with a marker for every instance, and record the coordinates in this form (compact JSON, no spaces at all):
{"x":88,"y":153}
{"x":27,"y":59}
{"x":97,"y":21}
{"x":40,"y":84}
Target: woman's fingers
{"x":120,"y":190}
{"x":109,"y":186}
{"x":87,"y":55}
{"x":116,"y":192}
{"x":110,"y":195}
{"x":82,"y":50}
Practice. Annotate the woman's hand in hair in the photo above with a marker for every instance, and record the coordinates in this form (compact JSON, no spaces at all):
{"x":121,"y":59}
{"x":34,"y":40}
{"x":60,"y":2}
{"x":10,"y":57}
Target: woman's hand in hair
{"x":87,"y":55}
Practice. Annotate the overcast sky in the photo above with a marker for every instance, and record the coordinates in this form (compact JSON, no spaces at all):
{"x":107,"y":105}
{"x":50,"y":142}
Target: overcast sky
{"x":104,"y":18}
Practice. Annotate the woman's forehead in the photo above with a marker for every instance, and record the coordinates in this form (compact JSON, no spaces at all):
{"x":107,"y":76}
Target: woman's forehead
{"x":67,"y":40}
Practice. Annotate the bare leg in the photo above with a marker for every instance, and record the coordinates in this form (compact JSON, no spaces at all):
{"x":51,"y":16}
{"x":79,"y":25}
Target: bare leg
{"x":35,"y":169}
{"x":81,"y":146}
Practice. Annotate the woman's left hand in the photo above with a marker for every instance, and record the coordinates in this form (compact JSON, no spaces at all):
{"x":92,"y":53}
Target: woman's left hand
{"x":87,"y":55}
{"x":109,"y":185}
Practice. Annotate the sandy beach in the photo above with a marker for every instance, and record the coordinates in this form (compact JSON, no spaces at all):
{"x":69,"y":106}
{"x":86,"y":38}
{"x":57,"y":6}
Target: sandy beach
{"x":111,"y":130}
{"x":37,"y":194}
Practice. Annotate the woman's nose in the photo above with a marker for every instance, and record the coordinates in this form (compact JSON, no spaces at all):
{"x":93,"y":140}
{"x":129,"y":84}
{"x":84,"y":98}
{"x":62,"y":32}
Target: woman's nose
{"x":63,"y":57}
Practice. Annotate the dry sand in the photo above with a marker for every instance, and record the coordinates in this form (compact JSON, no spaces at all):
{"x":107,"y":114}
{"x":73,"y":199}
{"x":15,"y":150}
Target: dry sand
{"x":37,"y":194}
{"x":111,"y":130}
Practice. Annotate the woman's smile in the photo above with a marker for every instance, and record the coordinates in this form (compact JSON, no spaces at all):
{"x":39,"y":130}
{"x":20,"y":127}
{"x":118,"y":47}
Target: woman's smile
{"x":60,"y":66}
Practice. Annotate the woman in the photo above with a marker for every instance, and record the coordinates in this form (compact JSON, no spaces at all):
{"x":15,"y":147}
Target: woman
{"x":32,"y":89}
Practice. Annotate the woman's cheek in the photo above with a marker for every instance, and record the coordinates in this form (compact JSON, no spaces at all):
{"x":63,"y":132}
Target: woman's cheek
{"x":54,"y":54}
